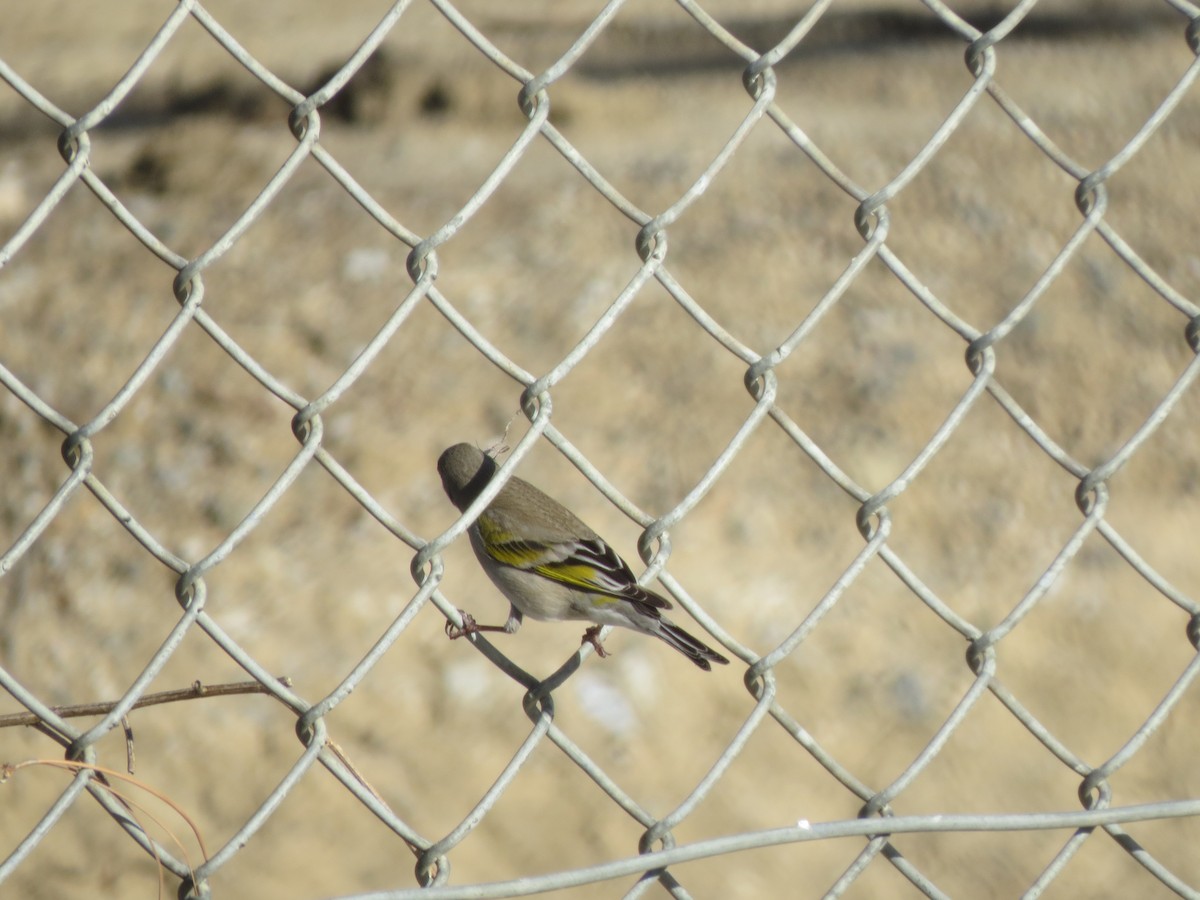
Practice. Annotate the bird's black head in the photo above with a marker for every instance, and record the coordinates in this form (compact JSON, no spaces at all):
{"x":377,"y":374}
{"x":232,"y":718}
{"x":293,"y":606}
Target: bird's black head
{"x":466,"y":471}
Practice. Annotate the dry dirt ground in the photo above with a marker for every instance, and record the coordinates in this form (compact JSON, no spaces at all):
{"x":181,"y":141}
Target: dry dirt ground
{"x":309,"y":591}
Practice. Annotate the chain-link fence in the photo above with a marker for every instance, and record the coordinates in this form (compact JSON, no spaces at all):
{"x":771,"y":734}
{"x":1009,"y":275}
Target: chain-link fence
{"x":262,"y":262}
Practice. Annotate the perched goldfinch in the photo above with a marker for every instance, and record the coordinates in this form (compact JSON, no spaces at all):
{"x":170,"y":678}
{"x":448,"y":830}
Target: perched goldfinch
{"x":550,"y":565}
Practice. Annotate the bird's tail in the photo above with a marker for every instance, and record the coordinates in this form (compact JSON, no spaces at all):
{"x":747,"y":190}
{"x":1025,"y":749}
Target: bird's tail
{"x":695,"y":650}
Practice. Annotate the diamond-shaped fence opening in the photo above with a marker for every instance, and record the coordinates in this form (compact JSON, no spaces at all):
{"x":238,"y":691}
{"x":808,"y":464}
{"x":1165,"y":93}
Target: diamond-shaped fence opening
{"x":865,"y":331}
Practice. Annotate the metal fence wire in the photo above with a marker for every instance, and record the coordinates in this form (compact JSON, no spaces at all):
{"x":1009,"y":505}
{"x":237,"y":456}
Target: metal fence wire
{"x":871,"y":329}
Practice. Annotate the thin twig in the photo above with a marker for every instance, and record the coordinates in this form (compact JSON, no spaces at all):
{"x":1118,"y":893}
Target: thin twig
{"x":196,"y":691}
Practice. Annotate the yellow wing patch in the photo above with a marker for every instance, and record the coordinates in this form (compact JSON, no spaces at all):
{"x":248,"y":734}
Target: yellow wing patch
{"x":577,"y":576}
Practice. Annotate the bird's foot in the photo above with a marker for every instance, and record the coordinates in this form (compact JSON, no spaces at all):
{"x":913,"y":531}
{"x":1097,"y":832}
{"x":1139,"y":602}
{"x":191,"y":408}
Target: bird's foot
{"x":592,"y":636}
{"x":469,"y":626}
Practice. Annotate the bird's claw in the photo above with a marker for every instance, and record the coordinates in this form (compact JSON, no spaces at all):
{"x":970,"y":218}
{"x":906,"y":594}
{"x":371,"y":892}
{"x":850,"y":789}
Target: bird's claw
{"x":592,"y":636}
{"x":469,"y":626}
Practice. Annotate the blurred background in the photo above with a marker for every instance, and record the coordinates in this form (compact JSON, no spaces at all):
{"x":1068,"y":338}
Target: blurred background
{"x":652,"y":406}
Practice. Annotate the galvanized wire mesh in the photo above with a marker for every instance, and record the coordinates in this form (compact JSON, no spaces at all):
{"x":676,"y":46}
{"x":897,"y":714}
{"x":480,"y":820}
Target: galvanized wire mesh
{"x":1063,"y":586}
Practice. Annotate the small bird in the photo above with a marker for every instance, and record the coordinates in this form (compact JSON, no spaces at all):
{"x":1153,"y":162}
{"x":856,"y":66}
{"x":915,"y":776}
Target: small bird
{"x":550,"y":565}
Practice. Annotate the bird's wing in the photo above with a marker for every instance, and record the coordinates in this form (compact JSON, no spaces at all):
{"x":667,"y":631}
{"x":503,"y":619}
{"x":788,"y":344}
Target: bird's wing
{"x":589,"y":565}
